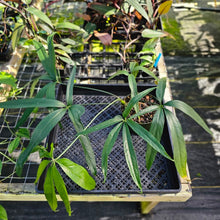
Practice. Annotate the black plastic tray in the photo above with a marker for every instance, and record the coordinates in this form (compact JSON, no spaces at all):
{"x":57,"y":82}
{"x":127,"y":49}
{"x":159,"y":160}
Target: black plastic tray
{"x":162,"y":178}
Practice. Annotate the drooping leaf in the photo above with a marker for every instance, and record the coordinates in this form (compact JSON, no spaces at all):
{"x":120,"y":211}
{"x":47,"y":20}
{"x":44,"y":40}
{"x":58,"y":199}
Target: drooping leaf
{"x":130,"y":156}
{"x":49,"y":190}
{"x":156,"y":129}
{"x":105,"y":38}
{"x":118,"y":73}
{"x":40,"y":15}
{"x":165,"y":7}
{"x":69,"y":88}
{"x":139,"y":8}
{"x":101,"y":8}
{"x":31,"y":103}
{"x":68,"y":25}
{"x":13,"y":145}
{"x":182,"y":106}
{"x":40,"y":132}
{"x":61,"y":189}
{"x":134,"y":100}
{"x":103,"y":125}
{"x":179,"y":147}
{"x":161,"y":89}
{"x":41,"y":169}
{"x":77,"y":173}
{"x":146,"y":70}
{"x":109,"y":143}
{"x":75,"y":113}
{"x":148,"y":137}
{"x":3,"y":213}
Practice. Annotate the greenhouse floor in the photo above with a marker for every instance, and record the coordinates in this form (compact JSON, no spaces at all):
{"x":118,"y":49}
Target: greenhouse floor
{"x":194,"y":74}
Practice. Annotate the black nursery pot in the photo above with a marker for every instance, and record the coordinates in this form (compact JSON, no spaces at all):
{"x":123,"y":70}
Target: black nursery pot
{"x":162,"y":178}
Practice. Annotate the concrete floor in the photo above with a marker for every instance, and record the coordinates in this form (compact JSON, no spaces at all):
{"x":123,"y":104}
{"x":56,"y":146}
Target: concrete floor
{"x":195,"y":79}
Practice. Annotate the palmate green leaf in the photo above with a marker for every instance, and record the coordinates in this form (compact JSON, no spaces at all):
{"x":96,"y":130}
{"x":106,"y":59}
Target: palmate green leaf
{"x":190,"y":112}
{"x":179,"y":147}
{"x":69,"y":88}
{"x":109,"y":143}
{"x":77,"y":173}
{"x":41,"y":169}
{"x":28,"y":111}
{"x":118,"y":73}
{"x":13,"y":145}
{"x":146,"y":70}
{"x":156,"y":129}
{"x":32,"y":103}
{"x":40,"y":15}
{"x":3,"y":213}
{"x":134,"y":100}
{"x":148,"y":137}
{"x":130,"y":156}
{"x":40,"y":132}
{"x":103,"y":125}
{"x":161,"y":89}
{"x":75,"y":113}
{"x":49,"y":190}
{"x":61,"y":189}
{"x":139,"y":8}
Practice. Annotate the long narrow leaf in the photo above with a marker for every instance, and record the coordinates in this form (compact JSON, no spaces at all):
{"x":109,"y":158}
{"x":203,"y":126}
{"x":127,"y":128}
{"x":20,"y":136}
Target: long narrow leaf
{"x":134,"y":100}
{"x":69,"y":88}
{"x":40,"y":132}
{"x":161,"y":89}
{"x":61,"y":189}
{"x":103,"y":125}
{"x":16,"y":34}
{"x":31,"y":103}
{"x":156,"y":129}
{"x":68,"y":25}
{"x":148,"y":137}
{"x":190,"y":112}
{"x":130,"y":156}
{"x":118,"y":73}
{"x":133,"y":87}
{"x":109,"y":143}
{"x":51,"y":91}
{"x":41,"y":169}
{"x":146,"y":70}
{"x":179,"y":147}
{"x":77,"y":173}
{"x":75,"y":113}
{"x":49,"y":190}
{"x":40,"y":15}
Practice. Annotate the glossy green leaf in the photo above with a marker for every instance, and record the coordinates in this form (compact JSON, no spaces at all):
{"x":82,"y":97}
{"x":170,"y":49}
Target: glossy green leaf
{"x":75,"y":113}
{"x":146,"y":70}
{"x":61,"y":189}
{"x":3,"y":213}
{"x":40,"y":132}
{"x":151,"y":108}
{"x":49,"y":190}
{"x":31,"y":103}
{"x":179,"y":147}
{"x":69,"y":88}
{"x":77,"y":173}
{"x":148,"y":137}
{"x":139,"y":8}
{"x":16,"y":35}
{"x":13,"y":145}
{"x":118,"y":73}
{"x":41,"y":15}
{"x":161,"y":89}
{"x":109,"y":143}
{"x":134,"y":100}
{"x":156,"y":129}
{"x":130,"y":156}
{"x":190,"y":112}
{"x":41,"y":168}
{"x":103,"y":125}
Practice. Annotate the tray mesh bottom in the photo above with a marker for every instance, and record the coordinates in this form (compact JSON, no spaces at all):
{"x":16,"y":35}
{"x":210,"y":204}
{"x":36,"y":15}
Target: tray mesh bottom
{"x":119,"y":179}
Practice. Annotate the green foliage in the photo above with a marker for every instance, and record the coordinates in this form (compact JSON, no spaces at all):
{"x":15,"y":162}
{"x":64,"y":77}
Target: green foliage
{"x":3,"y":213}
{"x":6,"y":78}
